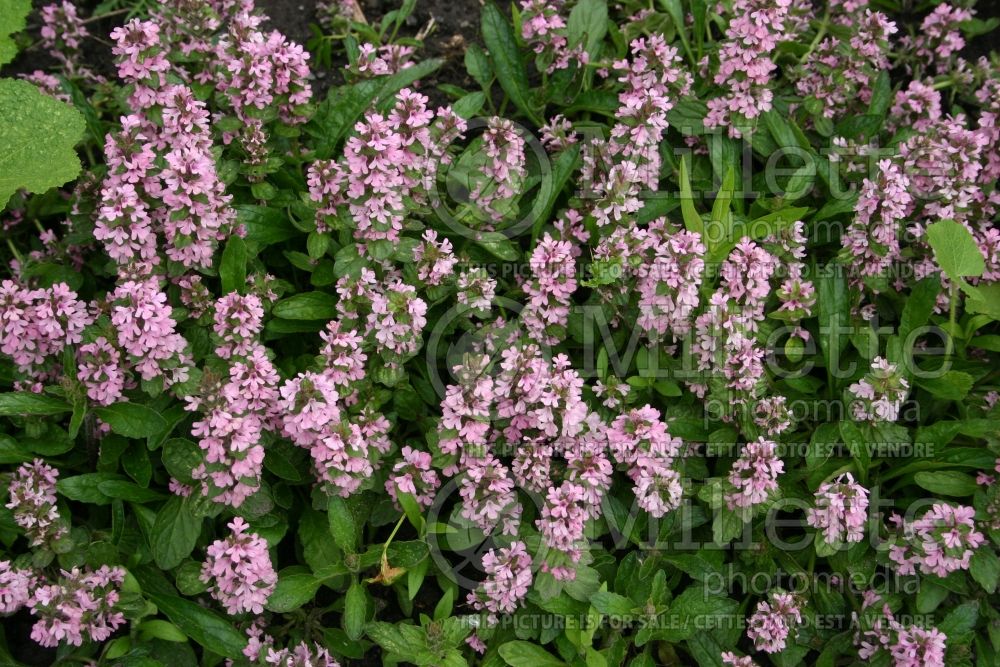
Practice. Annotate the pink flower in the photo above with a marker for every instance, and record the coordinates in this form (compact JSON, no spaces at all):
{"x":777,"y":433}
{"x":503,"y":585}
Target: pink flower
{"x":508,"y":578}
{"x":33,"y":503}
{"x":942,"y":541}
{"x":879,"y":395}
{"x":15,"y":587}
{"x":773,"y":622}
{"x":841,"y":510}
{"x":239,"y":570}
{"x":754,"y":475}
{"x":80,"y":607}
{"x":413,"y":475}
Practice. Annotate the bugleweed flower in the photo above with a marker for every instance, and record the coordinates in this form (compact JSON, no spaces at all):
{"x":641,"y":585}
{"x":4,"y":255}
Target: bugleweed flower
{"x":726,"y":332}
{"x":345,"y":448}
{"x":773,"y":621}
{"x":745,"y":65}
{"x":38,"y":323}
{"x":434,"y":259}
{"x":33,"y":503}
{"x":385,"y":161}
{"x":941,"y":541}
{"x":257,"y":70}
{"x":730,"y":659}
{"x":63,"y":32}
{"x":476,"y":290}
{"x":544,"y":29}
{"x":15,"y":587}
{"x":99,"y":368}
{"x":908,"y":646}
{"x":939,"y":37}
{"x":640,"y":441}
{"x":413,"y":475}
{"x":619,"y":169}
{"x":382,"y":60}
{"x":162,"y":177}
{"x":489,"y":499}
{"x":147,"y":332}
{"x":557,"y":134}
{"x":504,"y":169}
{"x":841,"y":510}
{"x":754,"y":475}
{"x":79,"y":607}
{"x":550,"y":290}
{"x":872,"y":240}
{"x":238,"y":407}
{"x":668,"y":284}
{"x":562,"y":523}
{"x":663,"y":263}
{"x":239,"y":570}
{"x":839,"y":73}
{"x":508,"y":578}
{"x":879,"y":395}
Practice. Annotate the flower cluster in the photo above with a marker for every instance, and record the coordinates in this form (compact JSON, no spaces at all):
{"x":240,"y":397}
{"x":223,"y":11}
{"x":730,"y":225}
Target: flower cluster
{"x":879,"y":395}
{"x":508,"y":578}
{"x":238,"y":569}
{"x":879,"y":633}
{"x":387,"y":161}
{"x":79,"y":606}
{"x":33,"y":503}
{"x":841,"y":510}
{"x":941,"y":541}
{"x":773,"y":621}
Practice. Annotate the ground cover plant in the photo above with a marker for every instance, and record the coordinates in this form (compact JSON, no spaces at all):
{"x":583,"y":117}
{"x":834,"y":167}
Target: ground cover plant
{"x":665,"y":334}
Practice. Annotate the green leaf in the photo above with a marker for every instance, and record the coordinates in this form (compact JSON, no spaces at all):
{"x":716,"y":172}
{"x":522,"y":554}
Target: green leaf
{"x":293,"y":590}
{"x":307,"y":306}
{"x":265,"y":226}
{"x":469,"y":105}
{"x":919,"y":306}
{"x":692,"y":220}
{"x":121,"y":489}
{"x":720,"y":228}
{"x":233,"y":267}
{"x":946,"y":483}
{"x":612,"y":603}
{"x":180,"y":456}
{"x":26,"y":403}
{"x":961,"y":619}
{"x":37,"y":139}
{"x":834,"y":316}
{"x":499,"y":246}
{"x":204,"y":626}
{"x":132,"y":420}
{"x":952,"y":385}
{"x":12,"y":20}
{"x":85,"y":488}
{"x":510,"y":70}
{"x":477,"y":64}
{"x":355,"y":610}
{"x":881,"y":97}
{"x":985,"y":569}
{"x":856,"y":442}
{"x":587,"y":25}
{"x":526,"y":654}
{"x":175,"y":533}
{"x":342,"y":524}
{"x":955,"y":250}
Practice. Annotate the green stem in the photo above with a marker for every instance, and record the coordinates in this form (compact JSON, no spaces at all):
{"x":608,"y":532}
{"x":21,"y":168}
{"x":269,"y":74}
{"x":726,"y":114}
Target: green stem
{"x":17,"y":255}
{"x":385,"y":547}
{"x":820,"y":34}
{"x":949,"y":345}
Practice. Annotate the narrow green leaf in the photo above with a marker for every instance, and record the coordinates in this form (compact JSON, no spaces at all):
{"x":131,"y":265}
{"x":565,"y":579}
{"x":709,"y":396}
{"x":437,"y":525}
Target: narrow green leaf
{"x":507,"y":62}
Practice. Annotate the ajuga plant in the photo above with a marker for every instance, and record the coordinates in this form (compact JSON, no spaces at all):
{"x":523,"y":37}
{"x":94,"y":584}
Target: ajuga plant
{"x":664,"y":334}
